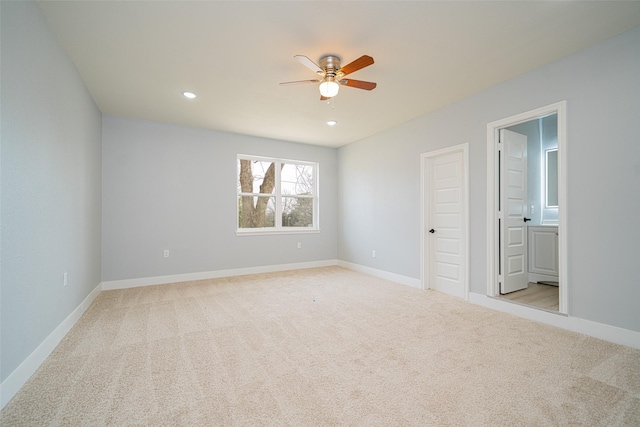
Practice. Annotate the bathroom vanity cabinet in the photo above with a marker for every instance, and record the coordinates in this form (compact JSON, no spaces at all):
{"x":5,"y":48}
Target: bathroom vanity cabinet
{"x":543,"y":253}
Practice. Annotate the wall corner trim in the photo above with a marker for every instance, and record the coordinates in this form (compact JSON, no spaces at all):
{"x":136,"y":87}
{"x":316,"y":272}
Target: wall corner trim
{"x":28,"y":367}
{"x":593,"y":329}
{"x":398,"y":278}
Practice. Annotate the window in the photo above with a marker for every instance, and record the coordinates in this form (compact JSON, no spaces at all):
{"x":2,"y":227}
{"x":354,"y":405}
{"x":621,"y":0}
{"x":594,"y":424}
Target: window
{"x":276,"y":196}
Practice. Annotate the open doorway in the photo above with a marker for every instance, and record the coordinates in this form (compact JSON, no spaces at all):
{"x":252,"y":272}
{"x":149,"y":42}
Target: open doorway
{"x":526,"y":189}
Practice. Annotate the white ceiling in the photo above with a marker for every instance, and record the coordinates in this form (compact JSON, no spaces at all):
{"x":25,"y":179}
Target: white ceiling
{"x":137,"y":58}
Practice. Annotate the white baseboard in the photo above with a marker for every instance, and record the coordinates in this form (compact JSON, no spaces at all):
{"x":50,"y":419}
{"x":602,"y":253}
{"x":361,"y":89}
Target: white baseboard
{"x":398,"y":278}
{"x":537,"y":277}
{"x":609,"y":333}
{"x":189,"y":277}
{"x":28,"y":367}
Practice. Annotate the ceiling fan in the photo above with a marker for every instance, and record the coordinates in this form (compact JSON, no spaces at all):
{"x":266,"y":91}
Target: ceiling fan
{"x":331,"y":74}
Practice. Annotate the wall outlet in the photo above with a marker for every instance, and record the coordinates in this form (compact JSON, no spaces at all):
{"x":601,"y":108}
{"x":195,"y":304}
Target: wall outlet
{"x":64,"y":279}
{"x":299,"y":245}
{"x":373,"y":254}
{"x":166,"y":253}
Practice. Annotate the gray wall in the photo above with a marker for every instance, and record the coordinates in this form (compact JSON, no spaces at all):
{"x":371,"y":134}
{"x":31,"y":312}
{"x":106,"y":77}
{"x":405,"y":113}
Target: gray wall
{"x":171,"y":187}
{"x":50,"y":218}
{"x":379,"y":193}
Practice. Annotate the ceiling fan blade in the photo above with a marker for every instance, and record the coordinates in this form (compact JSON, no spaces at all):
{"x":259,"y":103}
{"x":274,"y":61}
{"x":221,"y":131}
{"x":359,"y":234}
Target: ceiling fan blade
{"x":308,"y":63}
{"x":299,"y":82}
{"x":324,"y":98}
{"x":358,"y":64}
{"x":359,"y":84}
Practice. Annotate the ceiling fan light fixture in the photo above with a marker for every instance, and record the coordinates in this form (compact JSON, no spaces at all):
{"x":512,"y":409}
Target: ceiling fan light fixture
{"x":329,"y":88}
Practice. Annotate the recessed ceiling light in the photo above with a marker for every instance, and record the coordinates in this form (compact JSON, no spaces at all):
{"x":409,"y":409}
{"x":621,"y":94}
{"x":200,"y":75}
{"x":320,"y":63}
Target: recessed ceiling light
{"x":332,"y":122}
{"x":189,"y":95}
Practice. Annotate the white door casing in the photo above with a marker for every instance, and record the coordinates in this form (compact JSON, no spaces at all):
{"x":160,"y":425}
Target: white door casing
{"x":445,"y":201}
{"x":559,"y":108}
{"x":514,"y":274}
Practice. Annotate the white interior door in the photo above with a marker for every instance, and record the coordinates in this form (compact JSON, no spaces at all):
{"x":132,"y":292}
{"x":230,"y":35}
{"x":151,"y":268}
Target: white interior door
{"x":513,"y":208}
{"x":445,"y":227}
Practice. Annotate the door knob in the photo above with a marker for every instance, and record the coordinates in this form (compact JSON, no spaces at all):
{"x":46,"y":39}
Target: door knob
{"x":527,"y":219}
{"x":432,"y":231}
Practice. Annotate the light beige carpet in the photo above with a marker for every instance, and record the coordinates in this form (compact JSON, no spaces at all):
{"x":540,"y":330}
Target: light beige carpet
{"x":321,"y":347}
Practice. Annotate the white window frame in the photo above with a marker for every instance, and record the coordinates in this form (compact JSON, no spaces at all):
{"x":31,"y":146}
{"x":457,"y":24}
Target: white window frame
{"x":277,"y":193}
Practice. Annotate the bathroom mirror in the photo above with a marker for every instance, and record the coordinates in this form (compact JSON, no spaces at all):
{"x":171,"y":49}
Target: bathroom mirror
{"x":552,"y":178}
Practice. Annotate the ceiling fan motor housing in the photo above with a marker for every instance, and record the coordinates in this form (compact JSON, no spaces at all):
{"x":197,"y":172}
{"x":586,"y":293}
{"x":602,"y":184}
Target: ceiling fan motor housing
{"x":330,"y":64}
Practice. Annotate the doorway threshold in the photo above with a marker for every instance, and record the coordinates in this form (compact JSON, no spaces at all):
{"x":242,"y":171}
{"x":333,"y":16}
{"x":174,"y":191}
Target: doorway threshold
{"x":536,"y":295}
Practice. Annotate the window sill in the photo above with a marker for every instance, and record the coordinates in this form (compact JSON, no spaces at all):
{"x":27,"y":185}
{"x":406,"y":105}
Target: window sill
{"x":272,"y":232}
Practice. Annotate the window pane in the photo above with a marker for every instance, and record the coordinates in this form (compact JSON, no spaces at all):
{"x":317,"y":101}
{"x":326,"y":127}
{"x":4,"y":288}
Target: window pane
{"x":254,"y":174}
{"x":297,"y":179}
{"x":256,"y":212}
{"x":297,"y":212}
